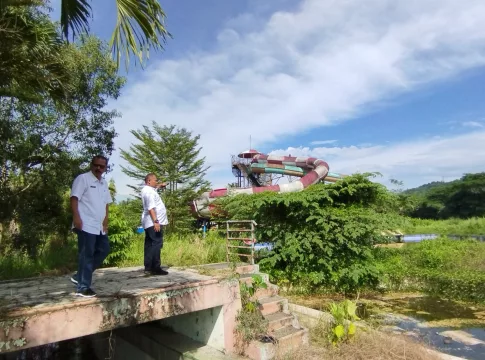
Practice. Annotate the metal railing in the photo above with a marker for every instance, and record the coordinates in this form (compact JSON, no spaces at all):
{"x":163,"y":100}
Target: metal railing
{"x":236,"y":230}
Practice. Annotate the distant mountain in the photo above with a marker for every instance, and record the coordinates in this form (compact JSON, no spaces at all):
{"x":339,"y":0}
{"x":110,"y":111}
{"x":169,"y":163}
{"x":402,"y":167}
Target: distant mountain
{"x":462,"y":198}
{"x":423,"y":189}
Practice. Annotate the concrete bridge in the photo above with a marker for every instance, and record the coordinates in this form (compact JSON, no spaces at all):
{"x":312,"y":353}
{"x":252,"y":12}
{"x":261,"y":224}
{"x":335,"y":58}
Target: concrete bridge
{"x":199,"y":305}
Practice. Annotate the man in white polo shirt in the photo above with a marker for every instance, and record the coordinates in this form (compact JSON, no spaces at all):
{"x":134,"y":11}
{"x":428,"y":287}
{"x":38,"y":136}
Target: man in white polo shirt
{"x":90,"y":198}
{"x":154,"y":216}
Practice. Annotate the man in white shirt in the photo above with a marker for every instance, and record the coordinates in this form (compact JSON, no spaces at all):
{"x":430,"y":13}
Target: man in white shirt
{"x":90,"y":198}
{"x":154,"y":216}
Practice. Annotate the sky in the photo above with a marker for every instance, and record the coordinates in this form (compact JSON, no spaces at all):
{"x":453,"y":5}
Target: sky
{"x":389,"y":86}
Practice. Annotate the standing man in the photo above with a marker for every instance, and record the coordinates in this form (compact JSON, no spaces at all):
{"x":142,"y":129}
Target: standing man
{"x":154,"y":216}
{"x":90,"y":198}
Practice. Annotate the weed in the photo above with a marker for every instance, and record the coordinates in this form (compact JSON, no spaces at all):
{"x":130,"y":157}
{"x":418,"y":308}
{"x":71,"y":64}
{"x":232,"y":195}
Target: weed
{"x":251,"y":324}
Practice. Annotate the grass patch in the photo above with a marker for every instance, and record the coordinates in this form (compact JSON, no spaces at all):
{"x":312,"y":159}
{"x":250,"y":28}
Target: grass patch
{"x":57,"y":259}
{"x":453,"y":269}
{"x":472,"y":226}
{"x":366,"y":345}
{"x":187,"y":250}
{"x":54,"y":259}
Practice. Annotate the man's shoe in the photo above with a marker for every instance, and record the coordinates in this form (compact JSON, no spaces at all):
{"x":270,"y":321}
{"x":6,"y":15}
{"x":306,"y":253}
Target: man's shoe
{"x":159,"y":272}
{"x":87,"y":293}
{"x":74,"y":278}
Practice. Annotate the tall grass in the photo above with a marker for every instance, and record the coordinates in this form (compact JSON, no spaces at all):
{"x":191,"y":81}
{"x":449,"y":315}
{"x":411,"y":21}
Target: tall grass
{"x":181,"y":250}
{"x":472,"y":226}
{"x":54,"y":259}
{"x":177,"y":250}
{"x":451,"y":268}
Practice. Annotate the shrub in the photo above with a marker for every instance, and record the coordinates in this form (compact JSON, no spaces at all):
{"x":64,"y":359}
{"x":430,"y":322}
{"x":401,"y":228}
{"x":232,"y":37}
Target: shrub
{"x":322,"y":236}
{"x":450,"y":268}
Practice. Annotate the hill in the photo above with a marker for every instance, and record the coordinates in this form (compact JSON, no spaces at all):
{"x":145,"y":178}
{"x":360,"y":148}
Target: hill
{"x":463,"y":198}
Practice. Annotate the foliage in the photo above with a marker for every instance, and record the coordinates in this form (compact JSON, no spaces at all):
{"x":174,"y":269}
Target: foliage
{"x":120,"y":234}
{"x":31,"y":63}
{"x":342,"y":328}
{"x":45,"y":145}
{"x":247,"y":293}
{"x":450,"y":268}
{"x":138,"y":28}
{"x":56,"y":258}
{"x":173,"y":155}
{"x":180,"y":250}
{"x":251,"y":324}
{"x":131,"y":209}
{"x":461,"y":227}
{"x":463,"y":198}
{"x":322,"y":236}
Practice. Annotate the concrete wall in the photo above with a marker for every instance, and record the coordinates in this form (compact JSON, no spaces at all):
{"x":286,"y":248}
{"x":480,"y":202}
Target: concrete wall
{"x":205,"y":326}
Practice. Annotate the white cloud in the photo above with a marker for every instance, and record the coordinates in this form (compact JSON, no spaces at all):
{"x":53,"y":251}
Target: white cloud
{"x":473,"y":124}
{"x":319,"y":65}
{"x":323,"y":142}
{"x":414,"y":162}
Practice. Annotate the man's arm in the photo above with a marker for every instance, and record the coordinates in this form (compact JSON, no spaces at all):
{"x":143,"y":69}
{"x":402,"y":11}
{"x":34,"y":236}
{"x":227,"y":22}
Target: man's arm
{"x":105,"y":221}
{"x":76,"y":193}
{"x":76,"y":218}
{"x":108,"y":199}
{"x":153,"y":215}
{"x":151,"y":210}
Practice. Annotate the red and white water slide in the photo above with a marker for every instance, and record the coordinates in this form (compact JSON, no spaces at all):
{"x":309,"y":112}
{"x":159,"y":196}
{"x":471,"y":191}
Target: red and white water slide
{"x":311,"y":170}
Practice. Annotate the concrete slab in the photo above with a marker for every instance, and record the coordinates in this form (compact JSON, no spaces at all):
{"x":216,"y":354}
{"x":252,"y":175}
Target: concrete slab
{"x":38,"y":311}
{"x":160,"y":343}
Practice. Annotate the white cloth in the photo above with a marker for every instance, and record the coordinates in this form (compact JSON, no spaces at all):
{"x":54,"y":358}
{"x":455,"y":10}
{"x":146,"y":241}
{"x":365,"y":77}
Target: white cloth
{"x":93,"y":196}
{"x":150,"y":200}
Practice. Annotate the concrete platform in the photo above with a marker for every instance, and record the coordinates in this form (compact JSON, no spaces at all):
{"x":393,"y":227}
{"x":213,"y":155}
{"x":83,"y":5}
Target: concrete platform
{"x":39,"y":311}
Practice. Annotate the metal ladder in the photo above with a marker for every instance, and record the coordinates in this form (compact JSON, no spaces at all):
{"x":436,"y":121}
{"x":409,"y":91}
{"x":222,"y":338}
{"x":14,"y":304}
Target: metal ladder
{"x":240,"y":226}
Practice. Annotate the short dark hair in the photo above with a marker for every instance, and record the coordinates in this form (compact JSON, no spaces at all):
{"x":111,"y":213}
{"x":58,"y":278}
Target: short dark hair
{"x":148,"y":177}
{"x":99,"y":157}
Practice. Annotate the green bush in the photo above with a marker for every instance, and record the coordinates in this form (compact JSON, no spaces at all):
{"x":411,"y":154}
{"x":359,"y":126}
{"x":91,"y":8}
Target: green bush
{"x":443,"y":267}
{"x":323,"y":236}
{"x":119,"y":234}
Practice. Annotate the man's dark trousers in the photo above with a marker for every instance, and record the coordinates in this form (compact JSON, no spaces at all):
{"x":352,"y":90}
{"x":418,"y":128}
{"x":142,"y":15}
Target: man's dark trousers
{"x":153,"y":246}
{"x":92,"y":250}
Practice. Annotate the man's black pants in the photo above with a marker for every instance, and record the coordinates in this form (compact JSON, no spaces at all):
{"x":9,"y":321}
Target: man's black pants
{"x":153,"y":246}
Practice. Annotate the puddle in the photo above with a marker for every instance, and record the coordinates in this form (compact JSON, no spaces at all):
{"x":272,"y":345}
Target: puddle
{"x":422,"y":317}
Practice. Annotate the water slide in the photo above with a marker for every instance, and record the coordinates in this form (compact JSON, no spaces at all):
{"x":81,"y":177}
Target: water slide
{"x":310,"y":170}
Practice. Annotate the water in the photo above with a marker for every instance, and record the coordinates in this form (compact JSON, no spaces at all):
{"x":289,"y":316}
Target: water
{"x":426,"y":318}
{"x":75,"y":349}
{"x":421,"y":237}
{"x":404,"y":238}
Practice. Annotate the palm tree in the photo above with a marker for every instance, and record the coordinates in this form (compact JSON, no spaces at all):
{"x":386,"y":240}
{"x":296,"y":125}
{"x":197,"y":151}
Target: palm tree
{"x":139,"y":26}
{"x":31,"y":65}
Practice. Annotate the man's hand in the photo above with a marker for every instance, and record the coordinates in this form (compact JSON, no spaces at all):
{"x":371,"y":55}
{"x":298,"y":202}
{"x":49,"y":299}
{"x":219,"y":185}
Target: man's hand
{"x":105,"y":226}
{"x":157,"y":227}
{"x":161,"y":185}
{"x":78,"y":223}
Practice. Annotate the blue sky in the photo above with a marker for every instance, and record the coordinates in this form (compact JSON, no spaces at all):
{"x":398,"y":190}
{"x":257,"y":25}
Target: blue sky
{"x":392,"y":86}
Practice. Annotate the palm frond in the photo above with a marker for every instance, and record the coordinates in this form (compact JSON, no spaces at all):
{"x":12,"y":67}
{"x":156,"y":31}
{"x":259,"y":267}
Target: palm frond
{"x":139,"y":27}
{"x":74,"y":16}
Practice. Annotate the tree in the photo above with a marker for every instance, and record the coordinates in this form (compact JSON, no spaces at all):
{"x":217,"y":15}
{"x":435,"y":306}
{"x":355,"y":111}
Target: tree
{"x":467,"y":198}
{"x":31,"y":65}
{"x":139,"y":25}
{"x":462,"y":198}
{"x":44,"y":145}
{"x":172,"y":154}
